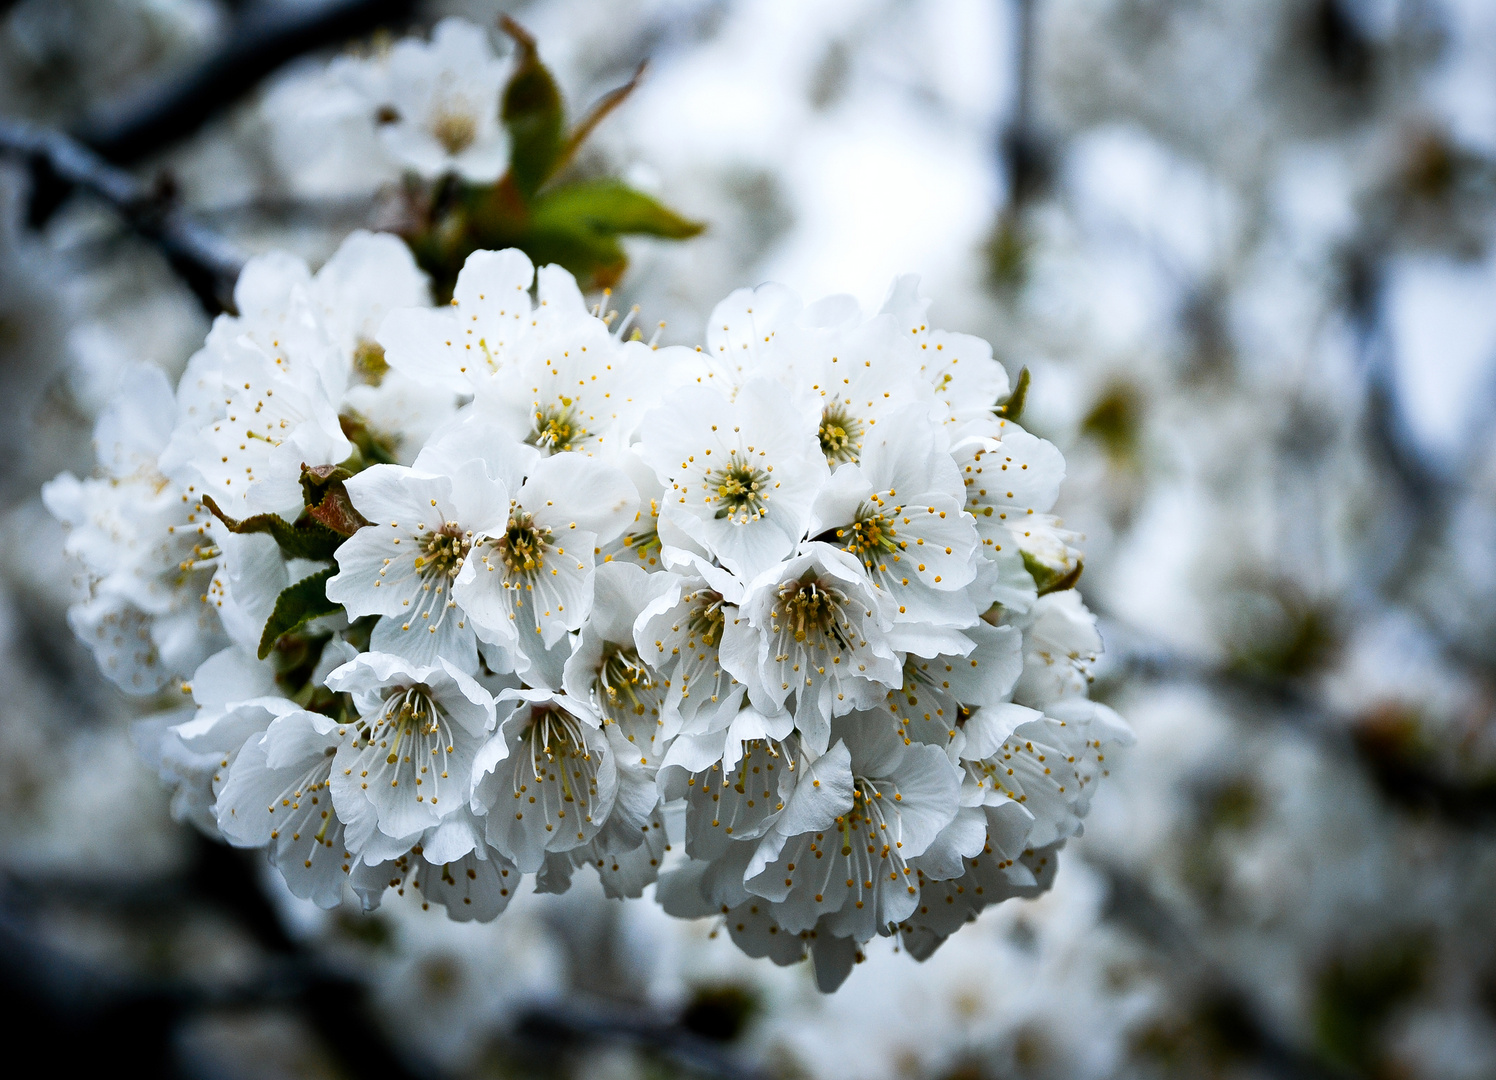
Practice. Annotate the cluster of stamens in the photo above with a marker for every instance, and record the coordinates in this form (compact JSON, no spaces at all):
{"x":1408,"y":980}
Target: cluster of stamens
{"x":871,"y":537}
{"x":556,"y":428}
{"x":524,"y":544}
{"x":739,"y":489}
{"x":812,"y":612}
{"x":454,"y":130}
{"x":443,"y":551}
{"x":621,"y":681}
{"x":841,"y":435}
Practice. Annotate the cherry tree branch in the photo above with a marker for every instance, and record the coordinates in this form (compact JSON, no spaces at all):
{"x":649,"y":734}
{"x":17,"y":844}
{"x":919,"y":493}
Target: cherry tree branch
{"x":207,"y":262}
{"x":262,"y":39}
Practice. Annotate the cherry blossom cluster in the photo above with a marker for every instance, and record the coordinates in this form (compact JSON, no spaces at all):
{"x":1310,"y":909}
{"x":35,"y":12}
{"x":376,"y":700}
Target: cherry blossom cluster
{"x":467,"y":593}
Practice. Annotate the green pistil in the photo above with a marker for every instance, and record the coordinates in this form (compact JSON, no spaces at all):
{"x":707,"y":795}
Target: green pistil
{"x":556,"y":428}
{"x":523,"y":544}
{"x":871,"y":537}
{"x":741,"y":489}
{"x":841,"y":435}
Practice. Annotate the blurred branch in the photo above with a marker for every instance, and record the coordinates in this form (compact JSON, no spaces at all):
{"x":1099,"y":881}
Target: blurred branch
{"x":89,"y":1005}
{"x":69,"y":996}
{"x":58,"y":164}
{"x":263,"y":38}
{"x":1024,"y":151}
{"x":1404,"y":777}
{"x":583,"y":1022}
{"x":1131,"y":903}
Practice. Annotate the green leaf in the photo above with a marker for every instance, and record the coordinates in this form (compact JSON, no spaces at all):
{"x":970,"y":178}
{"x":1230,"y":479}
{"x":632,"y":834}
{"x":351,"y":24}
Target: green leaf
{"x":596,"y":261}
{"x":1051,"y":579}
{"x":296,"y":606}
{"x":306,"y":539}
{"x":533,"y":113}
{"x":608,"y":208}
{"x":1012,"y":408}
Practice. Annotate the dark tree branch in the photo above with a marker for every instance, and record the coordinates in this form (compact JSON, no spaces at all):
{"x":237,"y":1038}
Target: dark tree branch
{"x":1131,"y":903}
{"x":265,"y":37}
{"x":204,"y":260}
{"x":1404,"y":777}
{"x":1025,"y":155}
{"x":579,"y":1023}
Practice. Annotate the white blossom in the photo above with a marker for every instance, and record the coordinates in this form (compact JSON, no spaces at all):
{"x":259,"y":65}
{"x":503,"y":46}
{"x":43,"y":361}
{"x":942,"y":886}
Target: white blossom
{"x":437,"y":103}
{"x":147,"y":549}
{"x":741,"y":473}
{"x":819,"y":636}
{"x":406,"y":762}
{"x":797,"y":596}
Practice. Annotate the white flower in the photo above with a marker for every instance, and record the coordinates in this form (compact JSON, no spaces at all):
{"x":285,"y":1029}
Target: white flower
{"x":1060,"y":642}
{"x":527,"y":580}
{"x":741,"y":474}
{"x":606,"y":669}
{"x":820,"y":636}
{"x":947,"y":905}
{"x":851,"y":842}
{"x":1011,"y":481}
{"x":547,"y":781}
{"x":273,"y":421}
{"x":402,"y":566}
{"x":191,"y":752}
{"x":960,"y":369}
{"x":270,"y":389}
{"x":461,"y":346}
{"x":277,"y":793}
{"x":147,"y":549}
{"x":624,"y":872}
{"x":738,"y":790}
{"x":937,"y":693}
{"x":899,"y":512}
{"x":680,"y":634}
{"x":569,"y":383}
{"x":554,"y":377}
{"x":322,"y":134}
{"x":640,"y":543}
{"x":740,"y":335}
{"x":236,"y":698}
{"x":406,"y":763}
{"x":437,"y":104}
{"x":451,"y":865}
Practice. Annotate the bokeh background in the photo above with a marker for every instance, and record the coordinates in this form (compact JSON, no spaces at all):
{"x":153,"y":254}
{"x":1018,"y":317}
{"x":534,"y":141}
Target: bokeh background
{"x":1244,"y":249}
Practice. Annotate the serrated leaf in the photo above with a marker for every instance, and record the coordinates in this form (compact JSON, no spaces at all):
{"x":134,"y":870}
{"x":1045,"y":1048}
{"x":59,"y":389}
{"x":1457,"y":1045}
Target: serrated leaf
{"x":306,"y":539}
{"x":609,"y":208}
{"x":296,"y":606}
{"x":533,"y":113}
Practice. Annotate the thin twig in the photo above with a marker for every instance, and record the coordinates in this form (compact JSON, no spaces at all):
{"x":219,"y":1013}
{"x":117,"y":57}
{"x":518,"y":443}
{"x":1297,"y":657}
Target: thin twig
{"x":599,"y":111}
{"x":262,"y":40}
{"x":206,"y":261}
